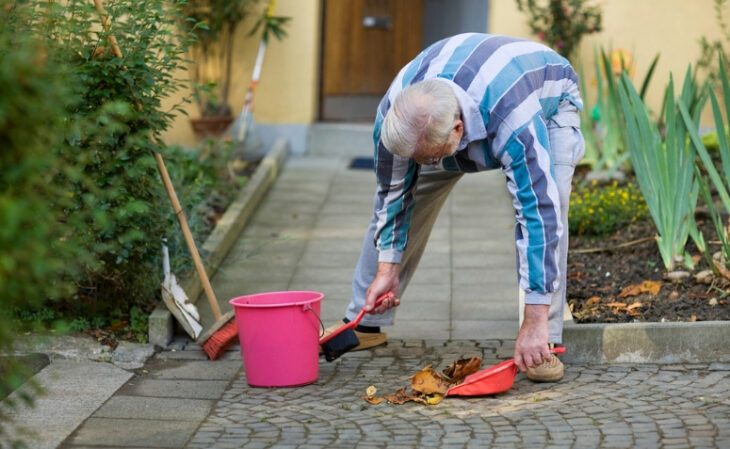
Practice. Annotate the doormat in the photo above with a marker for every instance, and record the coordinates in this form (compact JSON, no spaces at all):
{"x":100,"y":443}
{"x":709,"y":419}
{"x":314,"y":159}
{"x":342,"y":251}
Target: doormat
{"x":362,"y":163}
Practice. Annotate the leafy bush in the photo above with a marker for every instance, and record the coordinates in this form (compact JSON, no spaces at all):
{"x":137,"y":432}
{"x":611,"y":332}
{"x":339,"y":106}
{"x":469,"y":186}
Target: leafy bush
{"x":117,"y":210}
{"x":205,"y":180}
{"x":81,"y":203}
{"x":598,"y":210}
{"x":562,"y":24}
{"x":36,"y":254}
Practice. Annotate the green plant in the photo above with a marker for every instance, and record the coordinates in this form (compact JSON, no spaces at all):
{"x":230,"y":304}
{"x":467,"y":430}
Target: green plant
{"x":118,"y":208}
{"x":664,"y":167}
{"x":562,"y":24}
{"x":37,"y":257}
{"x":597,"y":210}
{"x":205,"y":187}
{"x":214,"y":24}
{"x":720,"y":182}
{"x":606,"y":146}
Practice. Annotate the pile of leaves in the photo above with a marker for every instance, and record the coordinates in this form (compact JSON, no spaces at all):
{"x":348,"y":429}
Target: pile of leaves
{"x":428,"y":386}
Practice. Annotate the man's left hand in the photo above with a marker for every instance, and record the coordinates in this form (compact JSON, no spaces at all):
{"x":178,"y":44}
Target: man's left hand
{"x":531,"y":347}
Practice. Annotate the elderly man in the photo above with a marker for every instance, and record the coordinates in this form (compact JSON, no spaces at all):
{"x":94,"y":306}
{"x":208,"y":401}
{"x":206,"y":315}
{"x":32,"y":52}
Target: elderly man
{"x":470,"y":103}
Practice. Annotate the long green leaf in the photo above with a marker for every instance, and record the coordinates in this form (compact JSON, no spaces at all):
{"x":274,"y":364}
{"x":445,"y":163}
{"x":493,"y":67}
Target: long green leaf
{"x":721,"y":136}
{"x":663,"y":169}
{"x":705,"y":156}
{"x":715,"y":215}
{"x":647,"y":78}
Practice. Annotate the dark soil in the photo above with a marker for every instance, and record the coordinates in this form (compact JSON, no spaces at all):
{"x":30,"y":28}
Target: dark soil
{"x":596,"y":280}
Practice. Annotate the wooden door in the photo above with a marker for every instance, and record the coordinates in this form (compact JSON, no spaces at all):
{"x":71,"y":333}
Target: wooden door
{"x":366,"y":42}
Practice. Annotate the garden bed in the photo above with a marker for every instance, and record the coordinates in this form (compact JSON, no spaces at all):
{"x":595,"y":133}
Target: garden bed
{"x":596,"y":280}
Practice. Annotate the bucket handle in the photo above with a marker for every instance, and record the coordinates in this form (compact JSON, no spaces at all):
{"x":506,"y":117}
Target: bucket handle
{"x":306,"y":307}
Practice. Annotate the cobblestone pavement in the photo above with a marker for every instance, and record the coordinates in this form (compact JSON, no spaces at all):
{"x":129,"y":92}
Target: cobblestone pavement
{"x":621,"y":406}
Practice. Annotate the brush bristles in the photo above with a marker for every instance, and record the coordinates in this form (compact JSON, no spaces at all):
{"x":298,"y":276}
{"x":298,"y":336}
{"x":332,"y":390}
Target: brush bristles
{"x":339,"y":345}
{"x":221,"y":340}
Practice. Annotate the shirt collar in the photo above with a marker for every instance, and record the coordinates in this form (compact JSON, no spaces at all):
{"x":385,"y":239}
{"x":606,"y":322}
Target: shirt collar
{"x":473,"y":123}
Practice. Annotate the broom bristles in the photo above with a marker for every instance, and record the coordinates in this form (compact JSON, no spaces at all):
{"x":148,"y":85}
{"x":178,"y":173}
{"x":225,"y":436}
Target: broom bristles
{"x":221,"y":340}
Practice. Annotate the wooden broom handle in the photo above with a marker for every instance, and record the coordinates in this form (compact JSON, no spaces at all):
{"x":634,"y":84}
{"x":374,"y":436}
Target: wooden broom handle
{"x":105,"y":24}
{"x":188,"y":237}
{"x":170,"y":190}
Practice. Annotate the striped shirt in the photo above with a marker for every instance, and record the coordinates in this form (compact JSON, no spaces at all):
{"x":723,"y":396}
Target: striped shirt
{"x":507,"y":89}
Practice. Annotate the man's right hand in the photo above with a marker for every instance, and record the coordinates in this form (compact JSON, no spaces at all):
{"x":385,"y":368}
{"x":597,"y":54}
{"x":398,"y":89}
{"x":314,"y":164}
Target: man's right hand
{"x":531,"y":347}
{"x":386,"y":280}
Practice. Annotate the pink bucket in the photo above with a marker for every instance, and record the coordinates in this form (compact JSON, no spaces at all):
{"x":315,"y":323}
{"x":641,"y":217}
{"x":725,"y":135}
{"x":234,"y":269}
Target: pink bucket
{"x":279,"y":335}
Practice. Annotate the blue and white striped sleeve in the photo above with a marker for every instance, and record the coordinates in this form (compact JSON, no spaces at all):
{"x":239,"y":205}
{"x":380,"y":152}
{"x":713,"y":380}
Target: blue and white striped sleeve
{"x":525,"y":159}
{"x":395,"y":196}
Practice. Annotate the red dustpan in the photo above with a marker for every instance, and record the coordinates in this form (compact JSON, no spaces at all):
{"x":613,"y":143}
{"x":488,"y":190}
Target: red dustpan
{"x":497,"y":379}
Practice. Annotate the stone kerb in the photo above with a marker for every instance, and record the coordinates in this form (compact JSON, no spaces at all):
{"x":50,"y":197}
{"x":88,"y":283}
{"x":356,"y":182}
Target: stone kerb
{"x":220,"y":241}
{"x":667,"y":343}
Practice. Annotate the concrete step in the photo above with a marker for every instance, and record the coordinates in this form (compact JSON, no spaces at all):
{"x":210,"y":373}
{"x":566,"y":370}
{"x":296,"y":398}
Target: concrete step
{"x":340,"y":139}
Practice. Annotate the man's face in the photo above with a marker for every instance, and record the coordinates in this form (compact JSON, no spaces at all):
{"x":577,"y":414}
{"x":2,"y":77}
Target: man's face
{"x":434,"y":154}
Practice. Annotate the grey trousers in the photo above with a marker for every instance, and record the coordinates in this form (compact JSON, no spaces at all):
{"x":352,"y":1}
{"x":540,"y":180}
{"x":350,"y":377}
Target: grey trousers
{"x":434,"y":186}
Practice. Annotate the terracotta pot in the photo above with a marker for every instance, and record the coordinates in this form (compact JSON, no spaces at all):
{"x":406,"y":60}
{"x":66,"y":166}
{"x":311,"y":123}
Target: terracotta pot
{"x":210,"y":126}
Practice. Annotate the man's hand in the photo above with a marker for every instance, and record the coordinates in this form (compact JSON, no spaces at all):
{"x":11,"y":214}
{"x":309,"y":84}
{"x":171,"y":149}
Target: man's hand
{"x":531,"y":348}
{"x":386,"y":280}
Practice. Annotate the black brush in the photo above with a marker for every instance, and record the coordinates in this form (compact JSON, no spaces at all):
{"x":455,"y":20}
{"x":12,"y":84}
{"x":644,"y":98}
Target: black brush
{"x":344,"y":339}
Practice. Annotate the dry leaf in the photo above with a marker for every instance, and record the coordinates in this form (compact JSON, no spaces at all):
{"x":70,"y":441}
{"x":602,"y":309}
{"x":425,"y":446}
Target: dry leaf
{"x":427,"y":399}
{"x":428,"y":381}
{"x":631,"y":290}
{"x":618,"y":305}
{"x":371,"y":399}
{"x":593,"y":300}
{"x":577,"y":275}
{"x":694,"y":318}
{"x":399,"y":397}
{"x":651,"y":287}
{"x":458,"y":370}
{"x":634,"y":305}
{"x":371,"y":390}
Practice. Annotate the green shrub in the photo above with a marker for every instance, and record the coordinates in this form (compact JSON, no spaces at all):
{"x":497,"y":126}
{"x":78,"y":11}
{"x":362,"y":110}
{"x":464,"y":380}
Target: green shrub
{"x":597,"y":210}
{"x":562,"y":24}
{"x":37,"y":257}
{"x":118,"y":210}
{"x":205,"y":186}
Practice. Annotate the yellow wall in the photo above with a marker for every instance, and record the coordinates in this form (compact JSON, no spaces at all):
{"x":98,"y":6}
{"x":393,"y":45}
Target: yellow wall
{"x":643,"y":27}
{"x":288,"y":85}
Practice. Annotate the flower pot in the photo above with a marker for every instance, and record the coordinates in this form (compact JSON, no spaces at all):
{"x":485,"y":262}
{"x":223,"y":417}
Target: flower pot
{"x":210,"y":126}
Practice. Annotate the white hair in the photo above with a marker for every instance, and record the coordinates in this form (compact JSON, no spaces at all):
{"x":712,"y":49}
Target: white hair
{"x":422,"y":115}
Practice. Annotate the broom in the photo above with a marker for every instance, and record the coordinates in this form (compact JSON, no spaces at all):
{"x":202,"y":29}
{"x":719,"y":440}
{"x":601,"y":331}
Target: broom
{"x":247,"y":143}
{"x":224,"y":331}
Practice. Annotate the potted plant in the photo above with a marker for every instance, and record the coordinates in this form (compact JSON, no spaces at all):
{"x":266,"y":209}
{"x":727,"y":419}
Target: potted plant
{"x":215,"y":23}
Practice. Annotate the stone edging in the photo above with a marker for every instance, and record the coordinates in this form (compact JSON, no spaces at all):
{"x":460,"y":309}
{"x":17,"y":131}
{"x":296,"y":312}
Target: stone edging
{"x":698,"y":342}
{"x":216,"y":247}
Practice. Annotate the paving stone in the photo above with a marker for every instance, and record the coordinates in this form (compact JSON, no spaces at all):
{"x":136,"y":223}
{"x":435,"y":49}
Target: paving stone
{"x":134,"y":432}
{"x":141,"y":407}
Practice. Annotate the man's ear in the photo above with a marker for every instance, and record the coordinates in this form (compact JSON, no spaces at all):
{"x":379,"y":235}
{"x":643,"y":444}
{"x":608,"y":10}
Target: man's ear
{"x":459,"y":125}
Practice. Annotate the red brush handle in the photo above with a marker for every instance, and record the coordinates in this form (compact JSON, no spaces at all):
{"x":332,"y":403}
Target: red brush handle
{"x":356,"y":321}
{"x":558,"y":350}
